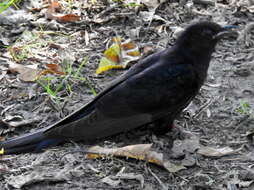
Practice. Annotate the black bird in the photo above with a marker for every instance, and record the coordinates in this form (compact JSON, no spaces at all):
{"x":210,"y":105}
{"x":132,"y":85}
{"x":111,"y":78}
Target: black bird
{"x":155,"y":90}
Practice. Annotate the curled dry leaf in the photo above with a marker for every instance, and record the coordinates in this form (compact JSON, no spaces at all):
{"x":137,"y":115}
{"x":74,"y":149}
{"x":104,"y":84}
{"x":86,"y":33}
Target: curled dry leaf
{"x":216,"y":152}
{"x":66,"y":18}
{"x":53,"y":69}
{"x":19,"y":181}
{"x":27,"y":73}
{"x":30,"y":73}
{"x":139,"y":151}
{"x":56,"y":6}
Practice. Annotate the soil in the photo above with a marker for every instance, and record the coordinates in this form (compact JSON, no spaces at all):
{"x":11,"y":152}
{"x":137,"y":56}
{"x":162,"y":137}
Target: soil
{"x":220,"y":116}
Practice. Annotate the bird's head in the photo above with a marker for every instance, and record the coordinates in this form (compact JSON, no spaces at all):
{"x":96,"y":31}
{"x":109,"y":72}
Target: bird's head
{"x":203,"y":36}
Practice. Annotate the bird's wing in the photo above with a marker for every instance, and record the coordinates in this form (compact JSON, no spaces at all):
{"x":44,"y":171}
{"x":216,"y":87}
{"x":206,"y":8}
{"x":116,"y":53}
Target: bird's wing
{"x":153,"y":93}
{"x":162,"y":87}
{"x":88,"y":108}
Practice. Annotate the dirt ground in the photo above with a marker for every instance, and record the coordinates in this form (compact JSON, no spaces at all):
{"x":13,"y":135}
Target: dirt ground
{"x":221,"y":116}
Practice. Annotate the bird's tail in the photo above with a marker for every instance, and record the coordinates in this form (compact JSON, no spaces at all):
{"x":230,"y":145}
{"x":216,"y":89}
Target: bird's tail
{"x":32,"y":142}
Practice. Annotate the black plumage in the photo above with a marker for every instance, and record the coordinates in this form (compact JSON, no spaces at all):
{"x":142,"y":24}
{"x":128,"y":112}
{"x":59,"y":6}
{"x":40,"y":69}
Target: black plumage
{"x":154,"y":90}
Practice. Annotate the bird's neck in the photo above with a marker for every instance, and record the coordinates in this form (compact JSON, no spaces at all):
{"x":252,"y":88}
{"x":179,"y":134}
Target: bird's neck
{"x":199,"y":52}
{"x":197,"y":57}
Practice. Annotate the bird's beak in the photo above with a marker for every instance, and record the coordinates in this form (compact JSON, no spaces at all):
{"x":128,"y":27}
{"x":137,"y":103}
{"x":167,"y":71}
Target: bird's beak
{"x":227,"y":31}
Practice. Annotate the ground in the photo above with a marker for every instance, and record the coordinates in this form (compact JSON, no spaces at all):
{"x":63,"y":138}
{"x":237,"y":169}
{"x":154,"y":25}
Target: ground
{"x":220,"y":116}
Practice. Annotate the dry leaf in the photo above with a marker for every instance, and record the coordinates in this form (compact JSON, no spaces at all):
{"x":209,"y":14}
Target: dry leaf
{"x":109,"y":181}
{"x":119,"y":55}
{"x":128,"y":45}
{"x":55,"y":69}
{"x":133,"y":151}
{"x":67,"y":18}
{"x":116,"y":180}
{"x":216,"y":152}
{"x":55,"y":46}
{"x":134,"y":53}
{"x":39,"y":175}
{"x":27,"y":73}
{"x":86,"y":38}
{"x":140,"y":152}
{"x":113,"y":53}
{"x":2,"y":151}
{"x":56,"y":6}
{"x":245,"y":183}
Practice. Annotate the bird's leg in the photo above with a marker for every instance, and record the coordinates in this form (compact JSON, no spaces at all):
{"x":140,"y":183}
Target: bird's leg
{"x":163,"y":125}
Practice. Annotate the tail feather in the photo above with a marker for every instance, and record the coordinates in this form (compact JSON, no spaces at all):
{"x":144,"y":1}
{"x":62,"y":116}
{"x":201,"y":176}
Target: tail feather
{"x":32,"y":142}
{"x":21,"y":149}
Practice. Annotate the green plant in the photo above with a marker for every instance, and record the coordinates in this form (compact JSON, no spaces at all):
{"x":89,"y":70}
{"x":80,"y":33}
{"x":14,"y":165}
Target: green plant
{"x":7,"y":3}
{"x":55,"y":84}
{"x":245,"y":109}
{"x":128,"y":4}
{"x":25,"y":45}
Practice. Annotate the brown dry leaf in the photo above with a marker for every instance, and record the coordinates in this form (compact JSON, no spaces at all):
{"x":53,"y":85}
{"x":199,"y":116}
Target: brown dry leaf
{"x":67,"y":18}
{"x":56,"y":6}
{"x":27,"y":73}
{"x":216,"y":152}
{"x":128,"y":45}
{"x":55,"y":69}
{"x":55,"y":46}
{"x":139,"y":151}
{"x":52,"y":8}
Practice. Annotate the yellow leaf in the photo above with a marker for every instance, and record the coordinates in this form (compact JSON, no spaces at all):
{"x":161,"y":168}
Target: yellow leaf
{"x":118,"y":55}
{"x":117,"y":40}
{"x":135,"y":53}
{"x":94,"y":156}
{"x":2,"y":151}
{"x":113,"y":53}
{"x":106,"y":64}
